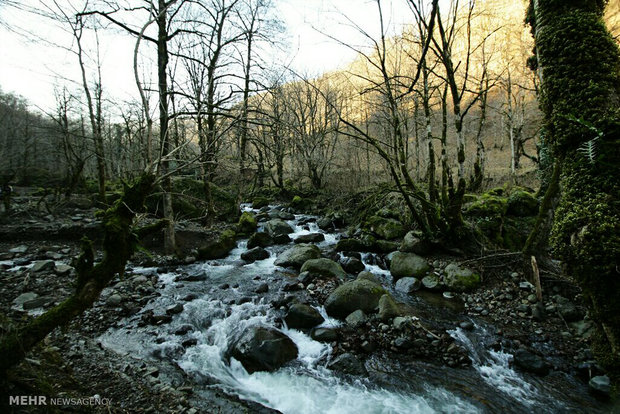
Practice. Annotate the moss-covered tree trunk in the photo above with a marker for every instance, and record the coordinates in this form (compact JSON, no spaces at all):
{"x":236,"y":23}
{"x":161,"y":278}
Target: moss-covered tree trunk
{"x":580,"y":98}
{"x":119,"y":244}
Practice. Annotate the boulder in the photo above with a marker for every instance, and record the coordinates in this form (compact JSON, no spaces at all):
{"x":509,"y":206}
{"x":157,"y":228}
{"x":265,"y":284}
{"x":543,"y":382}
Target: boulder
{"x":302,"y":316}
{"x":325,"y":223}
{"x":522,"y":203}
{"x":354,"y":295}
{"x":386,"y":228}
{"x":297,"y":255}
{"x":408,"y":265}
{"x":431,"y":282}
{"x":365,"y":275}
{"x":349,"y":364}
{"x":412,"y":243}
{"x":252,"y":255}
{"x":42,"y":265}
{"x":310,"y":238}
{"x":356,"y":319}
{"x":388,"y":308}
{"x":278,"y":227}
{"x":529,"y":362}
{"x":285,"y":215}
{"x":247,"y":223}
{"x":352,"y":265}
{"x":281,"y":239}
{"x":219,"y":248}
{"x":487,"y":205}
{"x":62,"y":269}
{"x":460,"y":279}
{"x":324,"y":334}
{"x":407,"y":285}
{"x":600,"y":385}
{"x":351,"y":245}
{"x":261,"y":348}
{"x":324,"y":267}
{"x":567,"y":309}
{"x":259,"y":239}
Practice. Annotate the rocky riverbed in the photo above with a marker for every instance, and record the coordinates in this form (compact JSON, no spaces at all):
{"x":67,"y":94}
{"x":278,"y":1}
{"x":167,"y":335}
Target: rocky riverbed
{"x":386,"y":330}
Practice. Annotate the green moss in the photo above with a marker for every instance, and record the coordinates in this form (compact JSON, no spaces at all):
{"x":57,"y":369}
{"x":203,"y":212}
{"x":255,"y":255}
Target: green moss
{"x":247,"y":223}
{"x":260,"y":202}
{"x":487,"y":205}
{"x":219,"y":248}
{"x":522,"y":203}
{"x":385,"y":228}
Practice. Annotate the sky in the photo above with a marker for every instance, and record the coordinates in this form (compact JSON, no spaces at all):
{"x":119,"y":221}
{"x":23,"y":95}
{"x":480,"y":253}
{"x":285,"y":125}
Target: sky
{"x":35,"y":68}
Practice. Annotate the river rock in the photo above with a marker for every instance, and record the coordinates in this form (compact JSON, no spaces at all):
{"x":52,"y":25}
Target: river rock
{"x":19,"y":301}
{"x":277,"y":227}
{"x":356,"y":319}
{"x":42,"y":265}
{"x":260,"y":239}
{"x":247,"y":223}
{"x":325,"y":224}
{"x":352,"y":265}
{"x":366,"y":275}
{"x":412,"y":243}
{"x":281,"y":239}
{"x":297,"y":255}
{"x":325,"y":268}
{"x":19,"y":249}
{"x":407,"y":285}
{"x":408,"y":265}
{"x":218,"y":249}
{"x":175,"y":309}
{"x":388,"y":308}
{"x":530,"y":362}
{"x":114,"y":300}
{"x":262,"y":288}
{"x":354,"y":295}
{"x":301,"y":316}
{"x":349,"y":364}
{"x":386,"y":228}
{"x":310,"y":238}
{"x":324,"y":334}
{"x":460,"y":279}
{"x":252,"y":255}
{"x":37,"y":302}
{"x":431,"y":282}
{"x":567,"y":309}
{"x":261,"y":348}
{"x":600,"y":385}
{"x":285,"y":215}
{"x":350,"y":245}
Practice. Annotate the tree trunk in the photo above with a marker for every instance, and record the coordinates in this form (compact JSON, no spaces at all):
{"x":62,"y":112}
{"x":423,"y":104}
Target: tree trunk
{"x":580,"y":99}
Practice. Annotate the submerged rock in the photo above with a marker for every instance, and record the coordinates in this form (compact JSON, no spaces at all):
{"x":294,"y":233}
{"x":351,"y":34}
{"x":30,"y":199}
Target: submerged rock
{"x":354,"y":295}
{"x":297,"y":255}
{"x":261,"y":348}
{"x":408,"y":265}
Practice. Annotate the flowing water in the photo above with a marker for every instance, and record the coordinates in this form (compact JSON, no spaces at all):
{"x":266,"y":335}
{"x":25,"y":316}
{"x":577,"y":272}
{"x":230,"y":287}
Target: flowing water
{"x":216,"y":315}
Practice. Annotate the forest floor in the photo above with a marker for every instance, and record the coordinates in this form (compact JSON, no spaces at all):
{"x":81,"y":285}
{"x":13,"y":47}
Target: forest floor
{"x":70,"y":363}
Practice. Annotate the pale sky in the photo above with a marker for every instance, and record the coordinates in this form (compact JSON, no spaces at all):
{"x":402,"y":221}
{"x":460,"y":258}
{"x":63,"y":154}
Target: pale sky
{"x":33,"y":69}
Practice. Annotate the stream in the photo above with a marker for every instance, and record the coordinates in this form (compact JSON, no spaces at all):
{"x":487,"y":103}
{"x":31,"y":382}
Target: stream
{"x":213,"y":314}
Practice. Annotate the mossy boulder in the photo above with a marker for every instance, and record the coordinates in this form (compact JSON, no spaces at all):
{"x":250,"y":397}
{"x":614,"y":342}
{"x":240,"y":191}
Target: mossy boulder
{"x":220,"y":248}
{"x":324,"y":268}
{"x":260,"y":202}
{"x":247,"y":223}
{"x":487,"y":205}
{"x":297,"y":255}
{"x":351,"y":245}
{"x":354,"y":295}
{"x":460,"y":279}
{"x":515,"y":231}
{"x":408,"y":265}
{"x":385,"y":228}
{"x":278,"y":227}
{"x":522,"y":203}
{"x":388,"y":308}
{"x":260,"y":239}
